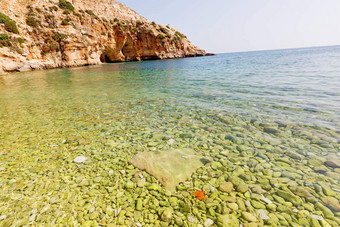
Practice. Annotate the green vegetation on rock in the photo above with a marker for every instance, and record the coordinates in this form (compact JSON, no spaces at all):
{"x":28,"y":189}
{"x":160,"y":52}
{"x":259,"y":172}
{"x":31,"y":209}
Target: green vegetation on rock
{"x":32,"y":21}
{"x":66,"y":21}
{"x":67,"y":12}
{"x":4,"y":40}
{"x":63,"y":4}
{"x":160,"y":36}
{"x":90,"y":12}
{"x":53,"y":8}
{"x":10,"y":24}
{"x":58,"y":36}
{"x":4,"y":37}
{"x":164,"y":30}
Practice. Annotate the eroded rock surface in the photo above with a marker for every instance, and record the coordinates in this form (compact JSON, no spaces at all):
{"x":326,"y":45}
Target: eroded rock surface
{"x":52,"y":35}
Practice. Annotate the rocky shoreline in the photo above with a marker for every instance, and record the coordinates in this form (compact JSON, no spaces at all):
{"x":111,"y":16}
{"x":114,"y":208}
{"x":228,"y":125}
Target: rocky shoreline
{"x":58,"y":33}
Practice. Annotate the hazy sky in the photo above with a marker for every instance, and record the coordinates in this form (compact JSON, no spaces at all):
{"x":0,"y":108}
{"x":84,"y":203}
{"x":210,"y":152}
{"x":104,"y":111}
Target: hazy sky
{"x":241,"y":25}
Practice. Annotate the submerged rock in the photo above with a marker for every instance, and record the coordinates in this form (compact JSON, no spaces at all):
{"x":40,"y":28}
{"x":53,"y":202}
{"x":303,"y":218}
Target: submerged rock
{"x":333,"y":161}
{"x":227,"y":221}
{"x":248,"y":217}
{"x":332,"y":203}
{"x":169,"y":167}
{"x":263,"y":215}
{"x":242,"y":187}
{"x":226,"y":187}
{"x":208,"y":222}
{"x":167,"y":215}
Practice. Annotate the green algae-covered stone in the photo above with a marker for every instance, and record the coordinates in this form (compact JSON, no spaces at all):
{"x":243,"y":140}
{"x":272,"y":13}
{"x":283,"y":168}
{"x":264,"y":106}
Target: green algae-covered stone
{"x":248,"y":217}
{"x":242,"y":187}
{"x":139,"y":205}
{"x":166,"y":215}
{"x":290,"y":197}
{"x":227,"y":221}
{"x":226,"y":187}
{"x":327,"y":212}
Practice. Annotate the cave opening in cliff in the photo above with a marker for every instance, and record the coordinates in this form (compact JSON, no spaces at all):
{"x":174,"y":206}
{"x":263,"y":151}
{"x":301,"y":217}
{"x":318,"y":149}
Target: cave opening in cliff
{"x":107,"y":56}
{"x":129,"y":51}
{"x":104,"y":58}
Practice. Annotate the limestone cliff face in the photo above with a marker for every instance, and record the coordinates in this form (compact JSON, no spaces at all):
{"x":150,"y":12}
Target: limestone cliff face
{"x":59,"y":33}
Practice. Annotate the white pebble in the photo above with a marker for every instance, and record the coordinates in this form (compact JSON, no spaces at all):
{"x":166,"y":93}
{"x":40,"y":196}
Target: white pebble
{"x":92,"y":209}
{"x":264,"y":199}
{"x":171,"y":141}
{"x":208,"y":222}
{"x":212,"y":189}
{"x":263,"y":215}
{"x":316,"y":217}
{"x":32,"y":217}
{"x":191,"y":219}
{"x":80,"y":159}
{"x":295,"y":210}
{"x":2,"y":217}
{"x":139,"y":224}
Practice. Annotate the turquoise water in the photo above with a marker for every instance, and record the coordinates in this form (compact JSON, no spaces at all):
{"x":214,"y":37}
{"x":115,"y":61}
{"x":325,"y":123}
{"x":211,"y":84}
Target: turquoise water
{"x":271,"y":115}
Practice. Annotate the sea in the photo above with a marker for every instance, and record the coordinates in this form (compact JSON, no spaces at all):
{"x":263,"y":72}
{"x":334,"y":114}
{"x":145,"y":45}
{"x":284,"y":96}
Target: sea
{"x":269,"y":119}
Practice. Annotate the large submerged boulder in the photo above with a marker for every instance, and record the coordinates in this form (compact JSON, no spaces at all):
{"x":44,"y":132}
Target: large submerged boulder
{"x":169,"y":167}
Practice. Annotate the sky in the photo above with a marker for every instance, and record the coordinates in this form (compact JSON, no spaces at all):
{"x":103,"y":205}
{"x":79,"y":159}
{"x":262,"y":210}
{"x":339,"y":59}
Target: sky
{"x":221,"y":26}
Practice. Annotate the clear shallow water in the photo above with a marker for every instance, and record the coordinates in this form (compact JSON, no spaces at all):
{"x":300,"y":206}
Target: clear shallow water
{"x":271,"y":115}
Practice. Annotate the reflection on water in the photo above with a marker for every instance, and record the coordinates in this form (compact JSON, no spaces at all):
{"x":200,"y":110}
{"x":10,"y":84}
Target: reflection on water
{"x":269,"y":121}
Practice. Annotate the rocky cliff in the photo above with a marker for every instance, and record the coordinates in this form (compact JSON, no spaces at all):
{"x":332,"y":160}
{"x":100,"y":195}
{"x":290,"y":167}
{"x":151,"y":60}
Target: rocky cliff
{"x":44,"y":34}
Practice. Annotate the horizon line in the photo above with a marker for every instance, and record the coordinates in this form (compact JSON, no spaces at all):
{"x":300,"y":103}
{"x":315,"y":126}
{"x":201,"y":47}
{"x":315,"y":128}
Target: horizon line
{"x":289,"y":48}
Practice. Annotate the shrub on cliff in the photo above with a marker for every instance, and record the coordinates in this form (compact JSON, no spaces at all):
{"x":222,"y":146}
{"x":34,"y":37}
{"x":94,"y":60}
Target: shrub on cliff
{"x":66,"y":21}
{"x":67,"y":12}
{"x":160,"y":36}
{"x":178,"y":35}
{"x":58,"y":36}
{"x":21,"y":40}
{"x":90,"y":12}
{"x":10,"y":24}
{"x":63,"y":4}
{"x":4,"y":37}
{"x":32,"y":21}
{"x":13,"y":43}
{"x":164,"y":30}
{"x":53,"y":8}
{"x":4,"y":40}
{"x":49,"y":47}
{"x":77,"y":14}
